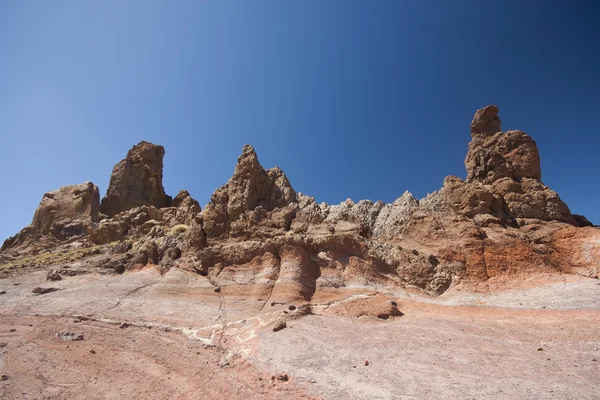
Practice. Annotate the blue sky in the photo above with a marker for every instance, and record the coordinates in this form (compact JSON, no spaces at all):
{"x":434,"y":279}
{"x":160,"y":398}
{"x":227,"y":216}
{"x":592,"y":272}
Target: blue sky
{"x":352,"y":99}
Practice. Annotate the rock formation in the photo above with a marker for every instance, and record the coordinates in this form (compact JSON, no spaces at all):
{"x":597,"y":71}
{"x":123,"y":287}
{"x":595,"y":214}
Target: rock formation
{"x":136,"y":181}
{"x":62,"y":214}
{"x":494,"y":154}
{"x":62,"y":208}
{"x":257,"y":237}
{"x":249,"y":188}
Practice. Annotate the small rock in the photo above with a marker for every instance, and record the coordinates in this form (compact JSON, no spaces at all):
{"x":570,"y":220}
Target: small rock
{"x":69,"y":336}
{"x":3,"y":292}
{"x":217,"y":289}
{"x":281,"y":377}
{"x":124,"y":325}
{"x":540,"y":349}
{"x":594,"y":359}
{"x":292,"y":308}
{"x":93,"y":351}
{"x":366,"y":363}
{"x":3,"y":344}
{"x":12,"y":330}
{"x":53,"y":276}
{"x":4,"y":378}
{"x":279,"y":326}
{"x":40,"y":290}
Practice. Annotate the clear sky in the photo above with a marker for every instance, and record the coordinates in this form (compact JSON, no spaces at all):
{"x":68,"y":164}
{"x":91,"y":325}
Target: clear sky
{"x":352,"y":99}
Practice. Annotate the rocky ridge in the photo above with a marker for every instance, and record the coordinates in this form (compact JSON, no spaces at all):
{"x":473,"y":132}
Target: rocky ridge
{"x":259,"y":238}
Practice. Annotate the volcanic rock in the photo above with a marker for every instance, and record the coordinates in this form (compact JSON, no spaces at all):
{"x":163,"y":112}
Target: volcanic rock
{"x":249,"y":187}
{"x":69,"y":336}
{"x":60,"y":209}
{"x":257,"y":238}
{"x":494,"y":154}
{"x":136,"y":181}
{"x":40,"y":290}
{"x":486,"y":121}
{"x":279,"y":326}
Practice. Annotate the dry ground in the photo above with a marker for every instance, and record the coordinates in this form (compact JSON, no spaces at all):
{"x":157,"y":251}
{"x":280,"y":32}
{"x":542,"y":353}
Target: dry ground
{"x":183,"y":340}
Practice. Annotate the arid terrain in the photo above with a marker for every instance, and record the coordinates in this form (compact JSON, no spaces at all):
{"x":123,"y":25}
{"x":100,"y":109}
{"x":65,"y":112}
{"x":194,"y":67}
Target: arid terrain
{"x":486,"y":288}
{"x":161,"y":337}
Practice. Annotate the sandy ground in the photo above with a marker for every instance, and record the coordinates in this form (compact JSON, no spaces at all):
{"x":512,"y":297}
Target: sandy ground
{"x":183,"y":340}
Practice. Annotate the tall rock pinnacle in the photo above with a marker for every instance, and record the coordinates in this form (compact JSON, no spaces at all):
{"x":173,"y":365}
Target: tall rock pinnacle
{"x":136,"y":181}
{"x":494,"y":154}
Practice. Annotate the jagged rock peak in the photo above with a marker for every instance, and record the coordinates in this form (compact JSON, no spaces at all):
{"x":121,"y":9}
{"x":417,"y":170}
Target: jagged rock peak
{"x":137,"y":181}
{"x":184,"y":199}
{"x":494,"y":154}
{"x":249,"y":187}
{"x":486,"y":121}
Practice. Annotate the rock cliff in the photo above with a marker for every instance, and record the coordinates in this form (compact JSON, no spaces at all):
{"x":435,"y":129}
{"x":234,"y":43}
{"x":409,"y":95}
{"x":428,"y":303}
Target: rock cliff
{"x":258,"y":237}
{"x":136,"y":181}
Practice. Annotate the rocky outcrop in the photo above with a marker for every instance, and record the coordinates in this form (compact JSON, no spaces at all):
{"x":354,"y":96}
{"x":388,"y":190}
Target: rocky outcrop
{"x":493,"y":154}
{"x":63,"y":211}
{"x":136,"y":181}
{"x":63,"y":214}
{"x":249,"y":187}
{"x":486,"y":122}
{"x":258,"y":238}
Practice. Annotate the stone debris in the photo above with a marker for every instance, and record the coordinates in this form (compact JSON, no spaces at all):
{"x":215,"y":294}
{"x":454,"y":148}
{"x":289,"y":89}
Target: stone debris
{"x":40,"y":290}
{"x":69,"y":336}
{"x":279,"y":326}
{"x":53,"y":276}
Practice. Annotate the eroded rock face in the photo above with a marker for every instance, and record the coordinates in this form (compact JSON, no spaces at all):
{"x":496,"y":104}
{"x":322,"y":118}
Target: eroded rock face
{"x":136,"y":181}
{"x":258,"y":238}
{"x":186,"y":207}
{"x":249,"y":187}
{"x":61,"y":210}
{"x":494,"y":154}
{"x":486,"y":122}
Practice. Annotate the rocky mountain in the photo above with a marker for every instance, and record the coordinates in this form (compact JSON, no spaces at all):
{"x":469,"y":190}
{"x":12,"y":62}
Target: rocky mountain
{"x":259,"y":237}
